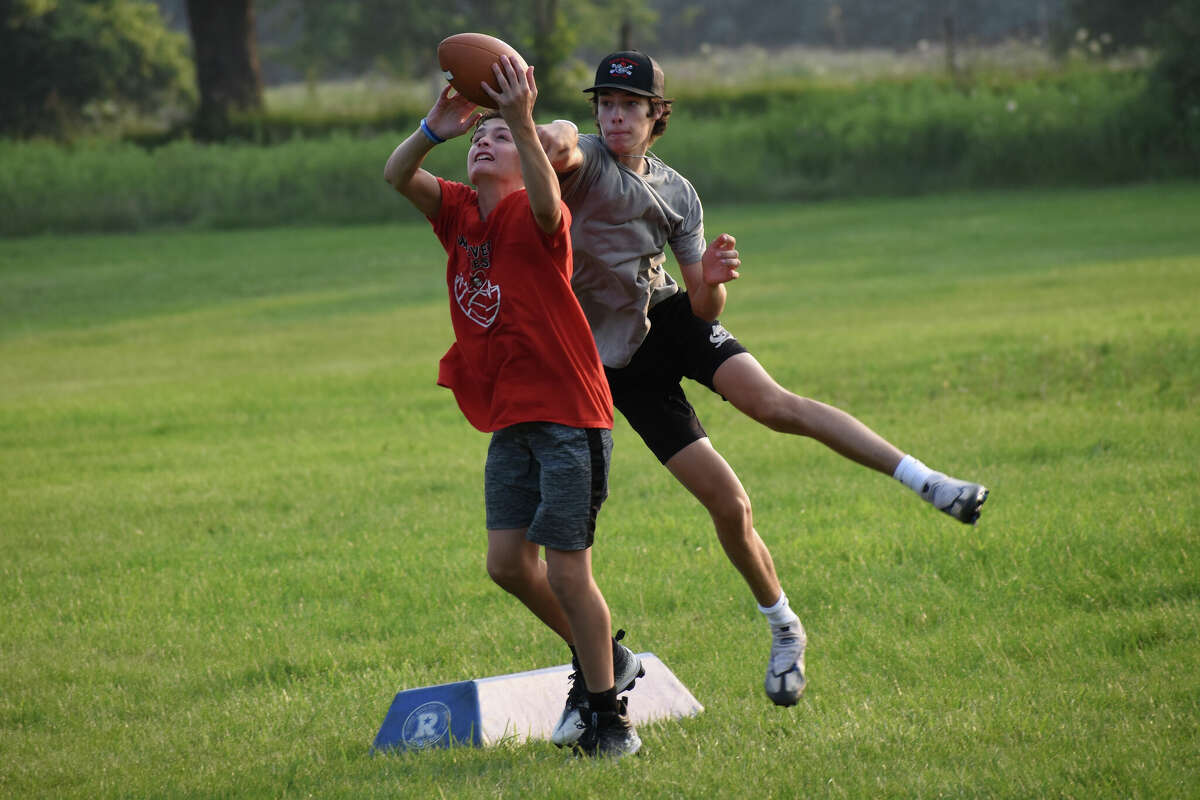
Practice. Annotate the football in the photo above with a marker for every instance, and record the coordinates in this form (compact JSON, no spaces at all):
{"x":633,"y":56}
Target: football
{"x":466,"y":60}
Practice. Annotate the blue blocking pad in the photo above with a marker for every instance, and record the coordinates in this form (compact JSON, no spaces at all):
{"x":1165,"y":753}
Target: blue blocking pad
{"x":516,"y":707}
{"x":433,"y":716}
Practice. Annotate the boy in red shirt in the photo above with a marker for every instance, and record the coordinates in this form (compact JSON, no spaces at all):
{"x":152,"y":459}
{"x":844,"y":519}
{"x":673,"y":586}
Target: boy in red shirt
{"x":524,"y":367}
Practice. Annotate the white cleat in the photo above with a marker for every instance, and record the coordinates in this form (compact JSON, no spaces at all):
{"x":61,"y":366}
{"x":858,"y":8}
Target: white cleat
{"x":959,"y":499}
{"x":785,"y":671}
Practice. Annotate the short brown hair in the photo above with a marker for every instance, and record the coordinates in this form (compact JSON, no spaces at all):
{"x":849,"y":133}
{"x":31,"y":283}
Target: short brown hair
{"x":490,"y":114}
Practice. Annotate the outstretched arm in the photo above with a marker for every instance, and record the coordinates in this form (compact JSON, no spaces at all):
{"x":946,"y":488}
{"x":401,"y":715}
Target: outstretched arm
{"x":518,"y":92}
{"x":705,"y":279}
{"x":449,"y":117}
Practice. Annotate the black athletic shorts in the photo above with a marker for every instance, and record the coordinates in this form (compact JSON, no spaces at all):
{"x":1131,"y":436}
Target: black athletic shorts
{"x":647,"y":391}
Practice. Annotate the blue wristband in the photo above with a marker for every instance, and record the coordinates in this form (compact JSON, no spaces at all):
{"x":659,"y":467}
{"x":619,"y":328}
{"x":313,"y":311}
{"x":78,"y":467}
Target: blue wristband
{"x":433,"y":137}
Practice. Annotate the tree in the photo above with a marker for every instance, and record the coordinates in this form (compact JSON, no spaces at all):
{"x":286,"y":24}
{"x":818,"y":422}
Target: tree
{"x":1118,"y":23}
{"x":66,"y":64}
{"x":551,"y":42}
{"x":226,"y":54}
{"x":400,"y":36}
{"x":849,"y":23}
{"x":1176,"y":74}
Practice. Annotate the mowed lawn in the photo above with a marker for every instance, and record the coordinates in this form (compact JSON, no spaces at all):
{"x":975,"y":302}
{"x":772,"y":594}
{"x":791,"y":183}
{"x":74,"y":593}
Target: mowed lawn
{"x":237,"y":515}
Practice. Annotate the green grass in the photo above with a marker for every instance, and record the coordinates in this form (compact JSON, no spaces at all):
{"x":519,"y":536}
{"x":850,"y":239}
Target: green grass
{"x":237,"y":515}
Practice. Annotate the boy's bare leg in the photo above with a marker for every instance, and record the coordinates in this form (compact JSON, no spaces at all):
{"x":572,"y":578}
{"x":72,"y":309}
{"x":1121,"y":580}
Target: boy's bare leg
{"x":704,"y":473}
{"x":513,"y":563}
{"x":755,"y":393}
{"x":601,"y":726}
{"x":701,"y":469}
{"x":570,"y":577}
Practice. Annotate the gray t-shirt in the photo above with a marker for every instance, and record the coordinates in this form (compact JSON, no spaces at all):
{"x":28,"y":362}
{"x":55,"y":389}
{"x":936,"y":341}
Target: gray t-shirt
{"x":621,"y":225}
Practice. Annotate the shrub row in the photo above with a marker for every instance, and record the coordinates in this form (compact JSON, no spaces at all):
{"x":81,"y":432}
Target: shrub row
{"x":925,"y":135}
{"x":793,"y":142}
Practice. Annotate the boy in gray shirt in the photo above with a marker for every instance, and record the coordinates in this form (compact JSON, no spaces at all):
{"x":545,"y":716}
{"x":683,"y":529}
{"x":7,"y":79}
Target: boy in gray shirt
{"x":627,"y":207}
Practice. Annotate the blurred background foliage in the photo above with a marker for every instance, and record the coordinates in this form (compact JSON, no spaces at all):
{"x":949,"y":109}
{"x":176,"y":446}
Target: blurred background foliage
{"x":72,"y":66}
{"x":100,"y":100}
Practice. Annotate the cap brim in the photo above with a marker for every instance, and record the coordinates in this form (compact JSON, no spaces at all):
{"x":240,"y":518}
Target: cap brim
{"x":622,"y":87}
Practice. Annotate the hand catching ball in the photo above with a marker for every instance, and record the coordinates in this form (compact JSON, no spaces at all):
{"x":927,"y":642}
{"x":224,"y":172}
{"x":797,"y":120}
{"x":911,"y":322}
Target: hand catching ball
{"x":466,"y":60}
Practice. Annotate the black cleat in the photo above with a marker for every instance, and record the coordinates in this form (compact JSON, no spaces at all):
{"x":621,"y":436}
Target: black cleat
{"x":609,"y":734}
{"x":627,"y":668}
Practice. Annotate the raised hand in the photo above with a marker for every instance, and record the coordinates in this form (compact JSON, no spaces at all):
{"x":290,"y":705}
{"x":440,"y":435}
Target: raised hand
{"x":451,"y":116}
{"x":720,"y":261}
{"x":518,"y":90}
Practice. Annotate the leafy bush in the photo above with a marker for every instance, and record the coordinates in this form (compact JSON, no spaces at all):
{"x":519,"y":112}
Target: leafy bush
{"x":1175,"y":80}
{"x":67,"y":62}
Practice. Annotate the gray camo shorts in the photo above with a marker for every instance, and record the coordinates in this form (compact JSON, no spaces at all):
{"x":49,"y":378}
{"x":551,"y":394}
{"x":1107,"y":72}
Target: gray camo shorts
{"x":549,"y":479}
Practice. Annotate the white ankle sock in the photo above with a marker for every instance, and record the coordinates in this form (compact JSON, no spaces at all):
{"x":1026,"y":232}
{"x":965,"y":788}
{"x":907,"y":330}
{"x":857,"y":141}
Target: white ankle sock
{"x":780,"y":613}
{"x":912,"y":473}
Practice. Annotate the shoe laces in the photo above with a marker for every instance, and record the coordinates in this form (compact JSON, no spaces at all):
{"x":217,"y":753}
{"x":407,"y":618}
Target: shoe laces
{"x":577,"y":693}
{"x":946,"y":493}
{"x":935,"y":488}
{"x":787,"y":644}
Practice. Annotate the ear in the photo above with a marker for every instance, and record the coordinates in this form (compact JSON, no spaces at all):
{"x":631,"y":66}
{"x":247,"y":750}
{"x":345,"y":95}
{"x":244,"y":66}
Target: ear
{"x":656,"y":109}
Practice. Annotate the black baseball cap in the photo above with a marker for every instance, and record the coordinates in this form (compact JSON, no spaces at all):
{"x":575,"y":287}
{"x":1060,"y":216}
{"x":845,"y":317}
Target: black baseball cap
{"x":631,"y":71}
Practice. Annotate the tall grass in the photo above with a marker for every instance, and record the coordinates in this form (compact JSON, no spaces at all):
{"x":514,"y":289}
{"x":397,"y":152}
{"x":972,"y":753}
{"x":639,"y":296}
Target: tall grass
{"x":785,"y":141}
{"x":237,"y":515}
{"x":917,"y":136}
{"x":115,"y":186}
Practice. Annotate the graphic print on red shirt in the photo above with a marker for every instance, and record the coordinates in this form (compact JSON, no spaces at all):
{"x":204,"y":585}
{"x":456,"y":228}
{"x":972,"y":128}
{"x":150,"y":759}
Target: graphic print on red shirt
{"x":477,"y":296}
{"x":523,"y":351}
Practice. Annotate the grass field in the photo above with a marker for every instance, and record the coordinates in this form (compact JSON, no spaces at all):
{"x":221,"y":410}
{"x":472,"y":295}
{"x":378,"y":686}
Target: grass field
{"x":237,"y":515}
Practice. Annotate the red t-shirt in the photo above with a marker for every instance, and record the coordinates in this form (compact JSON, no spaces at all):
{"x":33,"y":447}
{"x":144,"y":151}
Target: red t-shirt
{"x":523,"y":351}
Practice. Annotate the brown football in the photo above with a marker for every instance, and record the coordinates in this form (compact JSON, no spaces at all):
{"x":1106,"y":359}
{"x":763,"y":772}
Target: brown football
{"x":466,"y":60}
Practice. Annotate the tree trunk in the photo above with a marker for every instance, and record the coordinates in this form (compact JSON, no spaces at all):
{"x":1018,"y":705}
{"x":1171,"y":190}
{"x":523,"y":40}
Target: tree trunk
{"x":551,"y":46}
{"x":227,"y":70}
{"x":951,"y":53}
